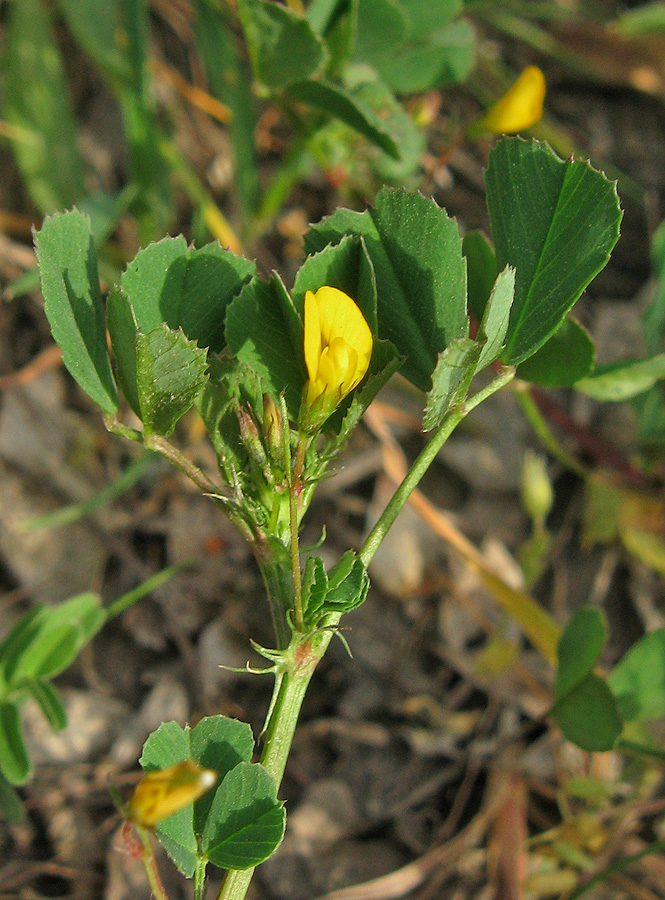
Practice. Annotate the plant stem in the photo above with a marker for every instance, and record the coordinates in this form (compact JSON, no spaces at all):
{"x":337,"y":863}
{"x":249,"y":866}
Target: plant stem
{"x":280,"y":729}
{"x":305,"y":651}
{"x":150,"y":864}
{"x":200,"y":878}
{"x":543,"y":431}
{"x":127,"y":600}
{"x":168,"y":451}
{"x":423,"y":462}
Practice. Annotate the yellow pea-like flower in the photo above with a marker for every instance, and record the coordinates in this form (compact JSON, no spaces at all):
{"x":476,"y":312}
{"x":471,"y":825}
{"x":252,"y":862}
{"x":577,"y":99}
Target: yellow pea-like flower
{"x":161,"y":793}
{"x":338,"y":347}
{"x":519,"y":108}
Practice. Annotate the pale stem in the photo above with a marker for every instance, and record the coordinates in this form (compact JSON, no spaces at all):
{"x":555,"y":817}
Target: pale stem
{"x":150,"y":864}
{"x":186,"y":466}
{"x":423,"y":462}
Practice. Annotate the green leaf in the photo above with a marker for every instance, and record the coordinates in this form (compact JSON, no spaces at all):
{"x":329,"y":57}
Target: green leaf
{"x":481,"y":271}
{"x":185,"y":288}
{"x":348,"y":584}
{"x":494,"y":324}
{"x":246,"y":821}
{"x":563,"y":360}
{"x":451,"y":378}
{"x":176,"y":835}
{"x":345,"y":266}
{"x":83,"y":612}
{"x":580,"y":646}
{"x":420,"y":274}
{"x":621,"y":381}
{"x":51,"y":651}
{"x":218,"y":743}
{"x":36,"y":103}
{"x":314,"y":589}
{"x":439,"y":60}
{"x":10,"y":803}
{"x":264,"y":331}
{"x":556,"y":222}
{"x":588,"y":715}
{"x":638,"y":679}
{"x":18,"y":640}
{"x":14,"y":762}
{"x":97,"y":26}
{"x":282,"y":45}
{"x":427,"y":18}
{"x":47,"y":640}
{"x":49,"y":702}
{"x":123,"y":330}
{"x":232,"y":384}
{"x":337,"y":101}
{"x":167,"y":746}
{"x":170,"y":372}
{"x":73,"y":303}
{"x":381,"y":24}
{"x":322,"y":14}
{"x":375,"y":97}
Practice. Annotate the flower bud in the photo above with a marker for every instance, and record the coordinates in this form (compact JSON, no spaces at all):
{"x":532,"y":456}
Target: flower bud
{"x":252,"y":439}
{"x":537,"y":495}
{"x":273,"y":429}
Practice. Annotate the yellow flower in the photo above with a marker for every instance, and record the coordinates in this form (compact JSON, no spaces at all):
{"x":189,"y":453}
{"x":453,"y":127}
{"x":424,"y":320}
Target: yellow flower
{"x":338,"y":347}
{"x":160,"y":794}
{"x":519,"y":108}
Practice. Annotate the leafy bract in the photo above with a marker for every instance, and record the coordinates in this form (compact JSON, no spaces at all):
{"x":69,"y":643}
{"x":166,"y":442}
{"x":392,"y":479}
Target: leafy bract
{"x":283,"y":46}
{"x":186,"y":288}
{"x":345,"y":266}
{"x":415,"y":249}
{"x":556,"y":222}
{"x":73,"y":303}
{"x":496,"y":315}
{"x":451,"y":379}
{"x":264,"y":330}
{"x":170,"y":373}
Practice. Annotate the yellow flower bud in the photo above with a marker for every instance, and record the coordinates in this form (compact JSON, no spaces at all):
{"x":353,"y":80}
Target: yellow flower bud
{"x":519,"y":108}
{"x":338,"y":348}
{"x":161,"y":793}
